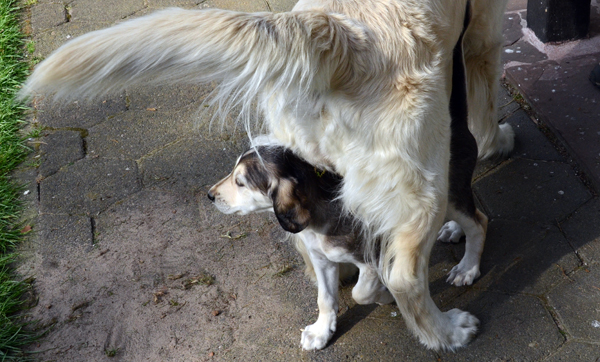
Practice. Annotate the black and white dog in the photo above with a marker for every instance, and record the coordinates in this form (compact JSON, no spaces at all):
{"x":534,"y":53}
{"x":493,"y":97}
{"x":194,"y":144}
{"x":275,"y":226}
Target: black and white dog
{"x":304,"y":202}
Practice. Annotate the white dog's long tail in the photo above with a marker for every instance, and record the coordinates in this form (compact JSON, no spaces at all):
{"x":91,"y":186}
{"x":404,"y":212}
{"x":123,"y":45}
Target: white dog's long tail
{"x":247,"y":52}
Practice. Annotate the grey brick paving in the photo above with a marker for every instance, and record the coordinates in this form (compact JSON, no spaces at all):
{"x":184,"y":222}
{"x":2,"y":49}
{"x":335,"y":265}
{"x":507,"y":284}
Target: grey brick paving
{"x":59,"y":149}
{"x":61,"y":234}
{"x":109,"y":168}
{"x":88,"y":186}
{"x":539,"y":191}
{"x":575,"y":302}
{"x":576,"y":351}
{"x":80,"y":114}
{"x":583,"y":231}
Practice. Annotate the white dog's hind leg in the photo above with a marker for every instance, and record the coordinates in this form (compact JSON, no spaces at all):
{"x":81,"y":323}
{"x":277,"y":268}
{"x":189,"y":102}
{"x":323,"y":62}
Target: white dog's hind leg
{"x":475,"y":229}
{"x":369,"y":289}
{"x":316,"y":336}
{"x":482,"y":49}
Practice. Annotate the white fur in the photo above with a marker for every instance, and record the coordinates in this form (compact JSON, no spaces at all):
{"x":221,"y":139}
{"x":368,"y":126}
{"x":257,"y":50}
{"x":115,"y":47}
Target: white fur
{"x":325,"y":260}
{"x":359,"y":86}
{"x":451,"y":232}
{"x":240,"y":200}
{"x":475,"y":230}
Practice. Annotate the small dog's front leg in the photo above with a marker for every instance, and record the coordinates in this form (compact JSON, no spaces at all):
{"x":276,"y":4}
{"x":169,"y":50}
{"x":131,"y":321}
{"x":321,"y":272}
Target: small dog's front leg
{"x":316,"y":336}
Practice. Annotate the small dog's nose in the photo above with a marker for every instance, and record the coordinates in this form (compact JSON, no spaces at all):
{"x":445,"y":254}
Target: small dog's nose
{"x":211,"y":197}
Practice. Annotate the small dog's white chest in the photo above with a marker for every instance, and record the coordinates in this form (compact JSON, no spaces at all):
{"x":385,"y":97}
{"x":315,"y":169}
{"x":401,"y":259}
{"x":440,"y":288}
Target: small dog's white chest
{"x":318,"y":244}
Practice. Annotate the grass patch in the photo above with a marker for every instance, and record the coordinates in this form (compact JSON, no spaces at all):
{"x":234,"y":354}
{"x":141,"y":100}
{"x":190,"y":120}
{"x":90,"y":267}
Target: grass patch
{"x":13,"y":71}
{"x":112,"y":352}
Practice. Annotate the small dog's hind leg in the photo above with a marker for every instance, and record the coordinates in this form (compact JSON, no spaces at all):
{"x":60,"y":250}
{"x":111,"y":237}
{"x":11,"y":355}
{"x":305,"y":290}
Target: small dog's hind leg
{"x":474,"y":227}
{"x":451,"y":232}
{"x":369,"y":289}
{"x":463,"y":158}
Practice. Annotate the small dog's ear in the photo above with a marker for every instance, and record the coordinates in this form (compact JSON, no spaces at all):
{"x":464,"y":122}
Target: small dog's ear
{"x":288,"y":204}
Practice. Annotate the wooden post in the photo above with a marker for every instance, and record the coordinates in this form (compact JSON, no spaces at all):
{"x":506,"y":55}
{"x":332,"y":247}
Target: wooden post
{"x":558,"y":20}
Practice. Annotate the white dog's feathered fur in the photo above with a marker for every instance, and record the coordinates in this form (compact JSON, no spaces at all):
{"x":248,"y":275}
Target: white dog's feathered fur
{"x":356,"y":86}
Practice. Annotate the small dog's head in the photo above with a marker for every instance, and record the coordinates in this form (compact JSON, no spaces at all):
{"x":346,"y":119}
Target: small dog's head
{"x":268,"y":185}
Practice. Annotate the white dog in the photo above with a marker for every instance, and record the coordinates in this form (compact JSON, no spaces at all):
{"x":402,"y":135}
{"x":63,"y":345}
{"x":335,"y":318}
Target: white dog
{"x":361,"y":87}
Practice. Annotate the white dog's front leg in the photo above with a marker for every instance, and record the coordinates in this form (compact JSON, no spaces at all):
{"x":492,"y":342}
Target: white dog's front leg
{"x":316,"y":336}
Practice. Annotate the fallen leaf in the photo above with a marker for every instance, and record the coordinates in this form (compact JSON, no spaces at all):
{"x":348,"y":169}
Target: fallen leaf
{"x":175,"y":276}
{"x":157,"y":296}
{"x":26,"y":229}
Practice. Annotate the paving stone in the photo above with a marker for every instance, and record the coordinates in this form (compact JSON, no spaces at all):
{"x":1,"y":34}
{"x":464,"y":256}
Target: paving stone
{"x":583,"y":231}
{"x":564,"y":99}
{"x":538,"y":191}
{"x":281,"y":5}
{"x":444,"y":256}
{"x":111,"y":10}
{"x":237,"y":5}
{"x":59,"y":235}
{"x":79,"y":114}
{"x":25,"y":176}
{"x":512,"y":28}
{"x":530,"y":142}
{"x":522,"y":52}
{"x":88,"y":186}
{"x":576,"y":351}
{"x":48,"y":41}
{"x":513,"y":328}
{"x":167,"y":97}
{"x":133,"y":134}
{"x":507,"y":105}
{"x":516,"y":5}
{"x":523,"y":258}
{"x":45,"y":16}
{"x":171,"y":3}
{"x":58,"y":149}
{"x":487,"y":165}
{"x":577,"y":301}
{"x":190,"y":165}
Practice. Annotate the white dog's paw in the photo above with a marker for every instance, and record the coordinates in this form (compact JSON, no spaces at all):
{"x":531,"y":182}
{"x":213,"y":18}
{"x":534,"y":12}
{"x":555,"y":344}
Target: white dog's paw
{"x":316,"y":336}
{"x":464,"y":327}
{"x":506,"y":139}
{"x":451,"y":232}
{"x":463,"y":274}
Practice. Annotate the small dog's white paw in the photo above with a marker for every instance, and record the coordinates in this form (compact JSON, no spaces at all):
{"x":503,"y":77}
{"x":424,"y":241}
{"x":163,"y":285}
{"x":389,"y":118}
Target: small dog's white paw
{"x":464,"y":327}
{"x":451,"y":232}
{"x":463,"y":274}
{"x":316,"y":336}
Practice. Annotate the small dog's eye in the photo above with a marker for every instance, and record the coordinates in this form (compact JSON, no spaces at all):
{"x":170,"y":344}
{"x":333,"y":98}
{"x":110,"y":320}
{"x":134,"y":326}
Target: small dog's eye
{"x":237,"y":182}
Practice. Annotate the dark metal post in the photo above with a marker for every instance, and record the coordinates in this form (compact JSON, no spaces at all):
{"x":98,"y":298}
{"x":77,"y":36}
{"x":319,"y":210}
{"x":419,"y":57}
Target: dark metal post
{"x":558,"y":20}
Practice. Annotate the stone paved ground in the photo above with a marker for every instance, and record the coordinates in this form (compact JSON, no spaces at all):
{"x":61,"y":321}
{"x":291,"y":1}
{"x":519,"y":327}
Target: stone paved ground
{"x":117,"y":199}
